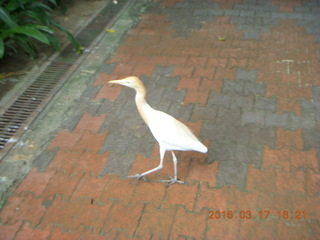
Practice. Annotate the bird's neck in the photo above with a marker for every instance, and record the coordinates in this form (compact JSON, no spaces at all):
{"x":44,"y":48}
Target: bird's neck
{"x":142,"y":105}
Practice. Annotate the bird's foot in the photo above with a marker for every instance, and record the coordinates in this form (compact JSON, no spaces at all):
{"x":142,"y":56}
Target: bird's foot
{"x":172,"y":180}
{"x":137,"y":176}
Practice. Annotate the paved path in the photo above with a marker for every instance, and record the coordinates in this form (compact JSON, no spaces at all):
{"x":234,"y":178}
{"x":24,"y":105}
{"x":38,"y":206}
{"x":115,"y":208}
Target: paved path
{"x":244,"y":75}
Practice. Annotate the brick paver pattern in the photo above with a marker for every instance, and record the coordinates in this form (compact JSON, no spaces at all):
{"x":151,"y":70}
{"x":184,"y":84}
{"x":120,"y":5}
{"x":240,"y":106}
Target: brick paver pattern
{"x":245,"y":76}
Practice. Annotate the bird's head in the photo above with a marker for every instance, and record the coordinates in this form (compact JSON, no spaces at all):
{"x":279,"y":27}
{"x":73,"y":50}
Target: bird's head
{"x":131,"y":82}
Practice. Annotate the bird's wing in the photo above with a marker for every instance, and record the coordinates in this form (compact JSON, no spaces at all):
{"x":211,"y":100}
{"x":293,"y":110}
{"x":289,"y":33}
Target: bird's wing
{"x":172,"y":133}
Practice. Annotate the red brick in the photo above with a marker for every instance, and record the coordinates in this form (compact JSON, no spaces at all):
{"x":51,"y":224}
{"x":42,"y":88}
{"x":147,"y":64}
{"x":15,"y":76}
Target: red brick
{"x":65,"y":139}
{"x":91,"y":162}
{"x":159,"y":59}
{"x":168,"y":169}
{"x":184,"y":195}
{"x":119,"y":189}
{"x":251,"y":229}
{"x":196,"y":97}
{"x":7,"y":232}
{"x":203,"y":172}
{"x":102,"y":79}
{"x":212,"y":198}
{"x":315,"y":227}
{"x":197,"y":61}
{"x":242,"y":201}
{"x":120,"y":57}
{"x":310,"y":205}
{"x":295,"y":181}
{"x":223,"y":229}
{"x":289,"y":138}
{"x":10,"y":208}
{"x":176,"y":60}
{"x":142,"y":69}
{"x":155,"y":222}
{"x":149,"y":193}
{"x":183,"y":71}
{"x":123,"y":69}
{"x":274,"y":202}
{"x":109,"y":92}
{"x":122,"y":217}
{"x":276,"y":158}
{"x":35,"y":182}
{"x":222,"y":73}
{"x":261,"y":180}
{"x":217,"y":62}
{"x":279,"y":90}
{"x":142,"y":164}
{"x":189,"y":225}
{"x":204,"y":72}
{"x":215,"y":85}
{"x":58,"y":234}
{"x":28,"y":208}
{"x":61,"y":212}
{"x":313,"y":182}
{"x":91,"y":141}
{"x":189,"y":83}
{"x":28,"y":233}
{"x":92,"y":216}
{"x":304,"y":159}
{"x":91,"y":123}
{"x":292,"y":231}
{"x":289,"y":105}
{"x":62,"y":184}
{"x":90,"y":187}
{"x":65,"y":160}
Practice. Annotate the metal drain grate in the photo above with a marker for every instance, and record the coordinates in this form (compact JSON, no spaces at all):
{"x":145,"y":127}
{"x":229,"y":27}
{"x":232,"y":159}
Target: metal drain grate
{"x":27,"y":106}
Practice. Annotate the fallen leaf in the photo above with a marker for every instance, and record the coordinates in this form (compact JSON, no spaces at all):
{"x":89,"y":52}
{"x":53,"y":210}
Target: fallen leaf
{"x":110,"y":30}
{"x":221,"y":38}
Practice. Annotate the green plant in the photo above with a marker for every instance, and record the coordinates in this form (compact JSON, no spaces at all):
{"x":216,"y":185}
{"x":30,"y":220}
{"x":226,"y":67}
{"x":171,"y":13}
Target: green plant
{"x":23,"y":21}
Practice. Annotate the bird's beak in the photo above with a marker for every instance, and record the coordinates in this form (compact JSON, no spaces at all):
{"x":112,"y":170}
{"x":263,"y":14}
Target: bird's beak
{"x":116,"y":82}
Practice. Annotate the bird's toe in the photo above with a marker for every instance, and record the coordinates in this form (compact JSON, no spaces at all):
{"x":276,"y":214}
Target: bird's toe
{"x":172,"y":180}
{"x":138,"y":176}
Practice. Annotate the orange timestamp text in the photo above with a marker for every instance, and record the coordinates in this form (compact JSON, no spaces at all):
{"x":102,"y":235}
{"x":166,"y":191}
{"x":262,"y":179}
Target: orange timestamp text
{"x":245,"y":214}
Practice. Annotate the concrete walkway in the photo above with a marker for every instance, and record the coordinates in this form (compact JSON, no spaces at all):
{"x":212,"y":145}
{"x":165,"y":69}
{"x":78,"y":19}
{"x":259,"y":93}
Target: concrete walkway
{"x":243,"y":74}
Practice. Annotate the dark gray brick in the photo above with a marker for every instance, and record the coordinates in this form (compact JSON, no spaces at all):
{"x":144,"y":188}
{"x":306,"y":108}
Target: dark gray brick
{"x":232,"y":173}
{"x":276,"y":120}
{"x":304,"y":121}
{"x":263,"y":136}
{"x":233,"y":87}
{"x":311,"y":139}
{"x":269,"y":104}
{"x":244,"y":102}
{"x":228,"y":116}
{"x":42,"y":161}
{"x":255,"y":89}
{"x":118,"y":163}
{"x":219,"y":99}
{"x":256,"y":118}
{"x":247,"y":13}
{"x":246,"y":76}
{"x":205,"y":114}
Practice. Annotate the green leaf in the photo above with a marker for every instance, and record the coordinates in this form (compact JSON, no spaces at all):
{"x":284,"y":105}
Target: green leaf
{"x":27,"y":45}
{"x":28,"y":31}
{"x":73,"y":41}
{"x":6,"y":18}
{"x":1,"y":48}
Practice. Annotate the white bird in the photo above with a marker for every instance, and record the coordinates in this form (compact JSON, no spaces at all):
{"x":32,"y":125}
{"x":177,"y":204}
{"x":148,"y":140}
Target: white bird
{"x":168,"y":131}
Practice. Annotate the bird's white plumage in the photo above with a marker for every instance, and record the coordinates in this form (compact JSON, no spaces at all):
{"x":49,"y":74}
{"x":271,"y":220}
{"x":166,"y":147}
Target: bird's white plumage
{"x":168,"y":131}
{"x":172,"y":133}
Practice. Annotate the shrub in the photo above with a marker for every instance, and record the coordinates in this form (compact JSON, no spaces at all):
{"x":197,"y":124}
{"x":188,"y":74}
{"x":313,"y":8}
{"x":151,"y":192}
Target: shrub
{"x":23,"y":21}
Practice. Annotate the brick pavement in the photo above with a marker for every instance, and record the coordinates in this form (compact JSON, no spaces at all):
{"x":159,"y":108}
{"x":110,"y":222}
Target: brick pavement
{"x":253,"y":97}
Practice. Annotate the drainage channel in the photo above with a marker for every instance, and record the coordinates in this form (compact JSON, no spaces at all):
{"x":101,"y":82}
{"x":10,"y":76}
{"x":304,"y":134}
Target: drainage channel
{"x":16,"y":118}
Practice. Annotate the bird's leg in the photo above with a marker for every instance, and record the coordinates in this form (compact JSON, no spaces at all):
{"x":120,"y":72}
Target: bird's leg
{"x":174,"y":179}
{"x":138,"y":176}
